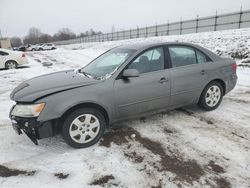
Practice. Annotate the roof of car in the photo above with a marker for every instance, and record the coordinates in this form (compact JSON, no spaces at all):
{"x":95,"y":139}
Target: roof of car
{"x":145,"y":45}
{"x":141,"y":45}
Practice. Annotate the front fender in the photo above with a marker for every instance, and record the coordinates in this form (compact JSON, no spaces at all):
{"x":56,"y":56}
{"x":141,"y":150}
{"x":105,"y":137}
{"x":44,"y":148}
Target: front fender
{"x":59,"y":103}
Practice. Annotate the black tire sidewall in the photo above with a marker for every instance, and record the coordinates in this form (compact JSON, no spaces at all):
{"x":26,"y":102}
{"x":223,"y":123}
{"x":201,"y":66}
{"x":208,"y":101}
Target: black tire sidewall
{"x":202,"y":101}
{"x":68,"y":120}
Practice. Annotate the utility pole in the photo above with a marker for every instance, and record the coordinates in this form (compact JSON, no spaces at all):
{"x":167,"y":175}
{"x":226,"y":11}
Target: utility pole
{"x":0,"y":34}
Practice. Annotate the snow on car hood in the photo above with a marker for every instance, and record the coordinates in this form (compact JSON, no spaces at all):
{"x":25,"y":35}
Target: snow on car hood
{"x":41,"y":86}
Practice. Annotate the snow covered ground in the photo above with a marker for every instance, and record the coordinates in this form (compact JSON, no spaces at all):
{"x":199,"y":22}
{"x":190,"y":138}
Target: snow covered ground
{"x":182,"y":148}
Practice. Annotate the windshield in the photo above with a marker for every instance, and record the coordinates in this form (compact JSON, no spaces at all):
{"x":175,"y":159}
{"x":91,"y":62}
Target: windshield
{"x":105,"y":65}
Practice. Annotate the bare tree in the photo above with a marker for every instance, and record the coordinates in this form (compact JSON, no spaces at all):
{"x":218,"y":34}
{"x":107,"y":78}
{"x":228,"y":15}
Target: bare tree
{"x":89,"y":33}
{"x":33,"y":36}
{"x":15,"y":41}
{"x":45,"y":38}
{"x":34,"y":32}
{"x":64,"y":34}
{"x":82,"y":35}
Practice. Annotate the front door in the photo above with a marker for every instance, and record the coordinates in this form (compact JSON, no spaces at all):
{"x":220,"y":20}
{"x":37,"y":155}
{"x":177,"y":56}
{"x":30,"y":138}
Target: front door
{"x":148,"y":92}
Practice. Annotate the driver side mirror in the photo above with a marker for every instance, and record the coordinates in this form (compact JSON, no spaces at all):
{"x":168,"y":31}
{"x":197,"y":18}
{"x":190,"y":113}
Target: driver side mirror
{"x":130,"y":73}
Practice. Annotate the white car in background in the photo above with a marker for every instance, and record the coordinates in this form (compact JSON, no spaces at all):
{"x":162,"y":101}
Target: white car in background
{"x":38,"y":46}
{"x":30,"y":47}
{"x":11,"y":59}
{"x":48,"y":46}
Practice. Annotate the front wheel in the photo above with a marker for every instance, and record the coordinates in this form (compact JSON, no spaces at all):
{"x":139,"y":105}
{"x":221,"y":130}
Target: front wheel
{"x":83,"y":127}
{"x":211,"y":96}
{"x":11,"y":65}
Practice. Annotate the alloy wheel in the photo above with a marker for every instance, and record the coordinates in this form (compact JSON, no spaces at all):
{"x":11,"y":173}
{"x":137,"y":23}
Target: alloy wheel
{"x":213,"y":96}
{"x":11,"y":65}
{"x":84,"y":128}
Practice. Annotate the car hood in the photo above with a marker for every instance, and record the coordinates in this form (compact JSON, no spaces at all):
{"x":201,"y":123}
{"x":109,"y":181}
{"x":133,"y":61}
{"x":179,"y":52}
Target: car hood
{"x":48,"y":84}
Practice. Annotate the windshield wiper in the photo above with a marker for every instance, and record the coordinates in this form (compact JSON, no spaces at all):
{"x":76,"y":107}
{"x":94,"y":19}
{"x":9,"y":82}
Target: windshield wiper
{"x":85,"y":74}
{"x":88,"y":75}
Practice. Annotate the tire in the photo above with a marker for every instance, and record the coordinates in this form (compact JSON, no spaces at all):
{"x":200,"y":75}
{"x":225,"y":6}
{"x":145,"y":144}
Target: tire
{"x":53,"y":48}
{"x":40,"y":49}
{"x":11,"y":65}
{"x":77,"y":131}
{"x":211,"y":96}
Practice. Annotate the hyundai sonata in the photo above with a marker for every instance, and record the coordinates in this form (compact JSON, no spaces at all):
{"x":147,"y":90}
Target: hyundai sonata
{"x":123,"y":83}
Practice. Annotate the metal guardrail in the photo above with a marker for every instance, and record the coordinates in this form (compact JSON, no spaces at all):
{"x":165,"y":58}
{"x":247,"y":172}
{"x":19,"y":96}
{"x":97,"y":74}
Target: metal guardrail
{"x":235,"y":20}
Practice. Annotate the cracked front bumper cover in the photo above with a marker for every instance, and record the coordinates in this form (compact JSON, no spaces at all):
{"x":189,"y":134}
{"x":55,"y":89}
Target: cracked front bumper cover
{"x":24,"y":127}
{"x":32,"y":128}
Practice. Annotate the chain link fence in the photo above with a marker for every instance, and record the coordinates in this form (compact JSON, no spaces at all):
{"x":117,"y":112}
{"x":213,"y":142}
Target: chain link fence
{"x":235,"y":20}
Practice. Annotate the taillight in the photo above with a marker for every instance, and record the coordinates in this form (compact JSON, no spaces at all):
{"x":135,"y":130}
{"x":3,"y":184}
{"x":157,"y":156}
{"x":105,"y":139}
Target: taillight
{"x":234,"y":67}
{"x":23,"y":55}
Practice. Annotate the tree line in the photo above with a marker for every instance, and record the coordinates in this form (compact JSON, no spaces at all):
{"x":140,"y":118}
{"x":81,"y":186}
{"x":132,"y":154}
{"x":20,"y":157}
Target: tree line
{"x":35,"y":36}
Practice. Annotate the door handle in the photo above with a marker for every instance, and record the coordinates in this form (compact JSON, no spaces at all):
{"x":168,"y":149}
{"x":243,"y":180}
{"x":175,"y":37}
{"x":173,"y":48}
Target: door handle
{"x":202,"y":72}
{"x":162,"y":80}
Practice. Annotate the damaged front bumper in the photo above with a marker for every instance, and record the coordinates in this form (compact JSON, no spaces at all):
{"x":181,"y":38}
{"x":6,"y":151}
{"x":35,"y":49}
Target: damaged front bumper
{"x":32,"y":128}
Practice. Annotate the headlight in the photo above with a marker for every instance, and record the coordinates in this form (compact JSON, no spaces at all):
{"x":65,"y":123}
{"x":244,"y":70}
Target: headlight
{"x":28,"y":110}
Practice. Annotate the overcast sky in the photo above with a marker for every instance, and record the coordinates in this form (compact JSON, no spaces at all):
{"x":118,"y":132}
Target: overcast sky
{"x":17,"y":16}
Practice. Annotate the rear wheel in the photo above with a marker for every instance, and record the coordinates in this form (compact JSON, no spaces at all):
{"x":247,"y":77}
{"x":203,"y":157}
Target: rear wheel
{"x":211,"y":96}
{"x":83,"y":127}
{"x":11,"y":65}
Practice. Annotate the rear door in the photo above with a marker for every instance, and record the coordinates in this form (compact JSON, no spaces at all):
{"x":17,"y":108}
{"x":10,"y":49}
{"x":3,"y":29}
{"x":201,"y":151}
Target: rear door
{"x":148,"y":92}
{"x":187,"y":75}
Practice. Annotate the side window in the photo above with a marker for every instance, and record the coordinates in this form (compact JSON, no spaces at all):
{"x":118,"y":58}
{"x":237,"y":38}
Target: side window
{"x":182,"y":56}
{"x":3,"y":53}
{"x":201,"y":58}
{"x":149,"y":61}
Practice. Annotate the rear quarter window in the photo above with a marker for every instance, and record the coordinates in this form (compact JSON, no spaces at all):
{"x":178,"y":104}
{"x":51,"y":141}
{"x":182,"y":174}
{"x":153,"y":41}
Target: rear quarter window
{"x":201,"y":57}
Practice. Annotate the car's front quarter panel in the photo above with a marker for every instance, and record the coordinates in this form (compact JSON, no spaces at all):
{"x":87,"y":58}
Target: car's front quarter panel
{"x":59,"y":103}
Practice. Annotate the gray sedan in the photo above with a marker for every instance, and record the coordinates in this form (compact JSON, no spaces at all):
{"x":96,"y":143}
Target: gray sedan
{"x":123,"y":83}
